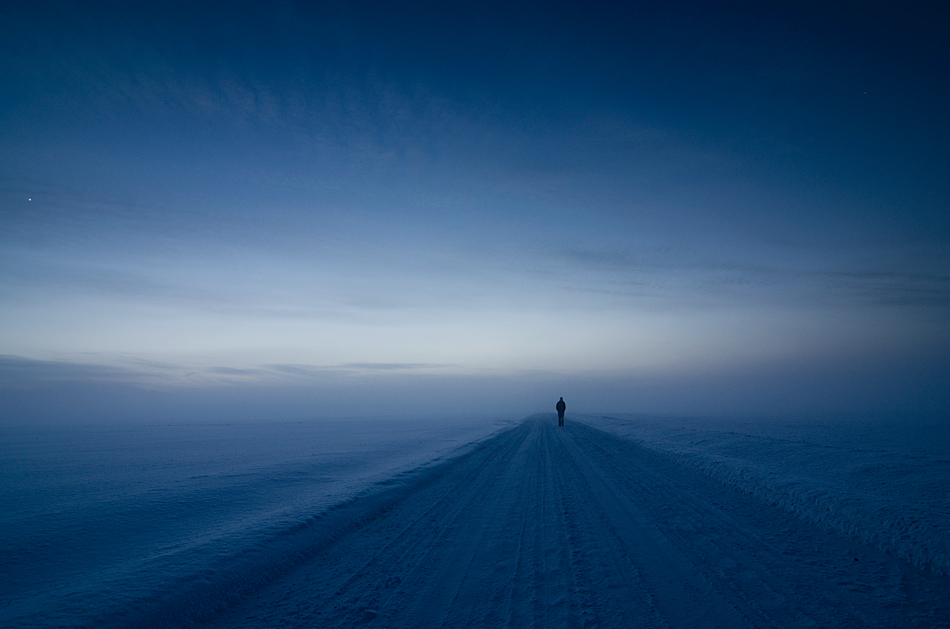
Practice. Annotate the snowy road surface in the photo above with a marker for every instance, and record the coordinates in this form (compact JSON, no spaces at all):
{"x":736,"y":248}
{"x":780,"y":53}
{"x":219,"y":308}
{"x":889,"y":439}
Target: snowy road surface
{"x":543,"y":526}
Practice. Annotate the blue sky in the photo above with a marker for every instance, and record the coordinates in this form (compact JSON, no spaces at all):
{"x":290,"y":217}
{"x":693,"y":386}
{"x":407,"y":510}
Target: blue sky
{"x":358,"y":208}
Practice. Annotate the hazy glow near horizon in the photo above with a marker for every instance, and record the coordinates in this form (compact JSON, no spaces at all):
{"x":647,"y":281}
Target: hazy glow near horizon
{"x":355,"y":194}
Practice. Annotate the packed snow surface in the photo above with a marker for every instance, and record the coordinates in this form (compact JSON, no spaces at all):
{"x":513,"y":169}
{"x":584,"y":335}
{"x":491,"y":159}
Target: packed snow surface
{"x":608,"y":521}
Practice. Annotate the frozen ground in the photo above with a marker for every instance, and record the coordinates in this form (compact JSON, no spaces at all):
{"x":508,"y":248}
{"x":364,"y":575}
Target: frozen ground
{"x":572,"y":527}
{"x":98,"y":522}
{"x":880,"y":481}
{"x":648,"y":522}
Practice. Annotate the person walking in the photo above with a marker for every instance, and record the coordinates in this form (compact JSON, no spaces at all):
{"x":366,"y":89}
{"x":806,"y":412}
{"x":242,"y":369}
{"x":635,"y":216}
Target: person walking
{"x":561,"y":407}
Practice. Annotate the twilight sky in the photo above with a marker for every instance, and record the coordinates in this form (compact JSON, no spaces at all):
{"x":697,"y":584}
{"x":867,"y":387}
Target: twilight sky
{"x":294,"y":209}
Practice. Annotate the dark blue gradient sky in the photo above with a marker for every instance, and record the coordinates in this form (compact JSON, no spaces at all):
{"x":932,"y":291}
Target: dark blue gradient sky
{"x":288,"y":209}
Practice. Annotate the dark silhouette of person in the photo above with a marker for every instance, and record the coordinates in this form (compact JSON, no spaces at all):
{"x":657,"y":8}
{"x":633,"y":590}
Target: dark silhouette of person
{"x":561,"y":407}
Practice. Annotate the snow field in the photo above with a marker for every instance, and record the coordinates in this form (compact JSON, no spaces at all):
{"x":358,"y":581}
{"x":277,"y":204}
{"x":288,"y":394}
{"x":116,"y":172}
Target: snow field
{"x":653,"y":523}
{"x":883,"y":484}
{"x":124,"y":525}
{"x":568,"y":527}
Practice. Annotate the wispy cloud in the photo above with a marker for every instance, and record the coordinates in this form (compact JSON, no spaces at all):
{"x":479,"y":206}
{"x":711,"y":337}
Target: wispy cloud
{"x":695,"y":274}
{"x":892,"y":288}
{"x":232,"y":371}
{"x":307,"y":371}
{"x":16,"y":371}
{"x":393,"y":366}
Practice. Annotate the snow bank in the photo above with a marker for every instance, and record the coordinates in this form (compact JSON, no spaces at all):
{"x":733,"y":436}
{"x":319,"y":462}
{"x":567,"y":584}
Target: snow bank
{"x":880,"y":482}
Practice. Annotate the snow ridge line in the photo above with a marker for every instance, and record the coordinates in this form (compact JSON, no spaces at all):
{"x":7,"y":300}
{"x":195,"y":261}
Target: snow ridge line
{"x":194,"y":598}
{"x":889,"y":527}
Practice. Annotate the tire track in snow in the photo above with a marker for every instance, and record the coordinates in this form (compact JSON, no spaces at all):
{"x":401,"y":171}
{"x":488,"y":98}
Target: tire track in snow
{"x":422,"y":547}
{"x":571,"y":527}
{"x":611,"y":571}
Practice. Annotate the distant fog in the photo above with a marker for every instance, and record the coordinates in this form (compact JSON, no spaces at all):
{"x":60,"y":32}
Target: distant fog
{"x":49,"y":392}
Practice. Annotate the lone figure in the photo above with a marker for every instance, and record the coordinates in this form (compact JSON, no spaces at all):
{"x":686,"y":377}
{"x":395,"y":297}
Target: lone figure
{"x":561,"y":407}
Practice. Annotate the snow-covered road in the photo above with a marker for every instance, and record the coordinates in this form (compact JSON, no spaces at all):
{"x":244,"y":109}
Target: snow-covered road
{"x":549,"y":527}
